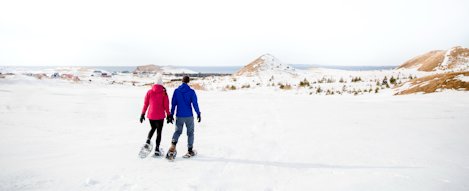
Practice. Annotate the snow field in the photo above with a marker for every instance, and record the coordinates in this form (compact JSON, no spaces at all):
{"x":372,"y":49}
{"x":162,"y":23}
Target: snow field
{"x":56,"y":135}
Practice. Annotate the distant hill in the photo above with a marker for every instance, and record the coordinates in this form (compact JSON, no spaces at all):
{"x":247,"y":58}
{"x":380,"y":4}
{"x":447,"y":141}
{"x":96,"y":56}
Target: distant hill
{"x":265,"y":65}
{"x":151,"y":68}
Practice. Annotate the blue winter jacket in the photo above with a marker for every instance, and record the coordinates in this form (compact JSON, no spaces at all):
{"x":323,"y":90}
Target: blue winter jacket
{"x":183,"y":97}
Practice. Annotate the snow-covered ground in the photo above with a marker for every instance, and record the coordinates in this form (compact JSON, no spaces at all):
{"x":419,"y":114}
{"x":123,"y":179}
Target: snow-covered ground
{"x":59,"y":135}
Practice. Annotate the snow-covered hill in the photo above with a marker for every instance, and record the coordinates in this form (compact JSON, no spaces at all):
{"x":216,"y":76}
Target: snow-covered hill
{"x":455,"y":59}
{"x":441,"y":70}
{"x":266,"y":65}
{"x":436,"y":83}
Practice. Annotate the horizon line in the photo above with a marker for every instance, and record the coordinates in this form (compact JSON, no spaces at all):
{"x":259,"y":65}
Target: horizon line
{"x":313,"y":65}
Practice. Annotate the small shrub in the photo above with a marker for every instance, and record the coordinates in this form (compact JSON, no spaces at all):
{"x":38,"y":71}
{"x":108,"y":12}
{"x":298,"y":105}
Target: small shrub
{"x":304,"y":83}
{"x":285,"y":87}
{"x":356,"y":79}
{"x":319,"y":90}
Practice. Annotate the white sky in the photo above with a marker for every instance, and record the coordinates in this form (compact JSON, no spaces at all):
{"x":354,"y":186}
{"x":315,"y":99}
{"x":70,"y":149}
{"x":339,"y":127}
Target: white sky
{"x":226,"y":33}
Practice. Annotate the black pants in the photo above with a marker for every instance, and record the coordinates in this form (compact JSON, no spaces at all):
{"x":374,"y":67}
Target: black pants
{"x":158,"y":126}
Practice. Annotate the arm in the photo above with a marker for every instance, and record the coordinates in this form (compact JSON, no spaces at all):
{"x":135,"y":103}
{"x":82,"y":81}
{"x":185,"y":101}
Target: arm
{"x":145,"y":103}
{"x":173,"y":102}
{"x":195,"y":104}
{"x":166,"y":103}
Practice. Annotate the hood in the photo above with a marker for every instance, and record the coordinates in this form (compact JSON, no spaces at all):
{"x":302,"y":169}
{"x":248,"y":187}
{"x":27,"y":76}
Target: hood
{"x":184,"y":88}
{"x":157,"y":88}
{"x":159,"y":79}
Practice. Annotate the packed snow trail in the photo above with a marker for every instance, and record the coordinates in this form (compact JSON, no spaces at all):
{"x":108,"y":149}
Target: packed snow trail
{"x":61,"y":136}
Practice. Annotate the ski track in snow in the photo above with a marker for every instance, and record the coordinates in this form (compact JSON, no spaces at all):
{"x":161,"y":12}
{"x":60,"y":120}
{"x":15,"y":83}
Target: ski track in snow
{"x":64,"y":136}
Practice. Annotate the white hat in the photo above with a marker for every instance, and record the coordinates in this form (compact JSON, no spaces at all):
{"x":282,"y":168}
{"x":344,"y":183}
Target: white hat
{"x":159,"y":79}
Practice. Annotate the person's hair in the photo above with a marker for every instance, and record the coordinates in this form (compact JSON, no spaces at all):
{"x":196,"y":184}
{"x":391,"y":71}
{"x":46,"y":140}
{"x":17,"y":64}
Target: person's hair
{"x":185,"y":79}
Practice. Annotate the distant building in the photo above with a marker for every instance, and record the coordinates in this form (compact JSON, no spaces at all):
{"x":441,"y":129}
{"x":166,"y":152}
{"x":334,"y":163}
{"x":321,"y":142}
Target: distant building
{"x":104,"y":74}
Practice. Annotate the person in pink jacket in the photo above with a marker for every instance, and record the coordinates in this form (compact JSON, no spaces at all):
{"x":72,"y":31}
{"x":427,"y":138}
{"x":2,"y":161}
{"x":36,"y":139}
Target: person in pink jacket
{"x":157,"y":104}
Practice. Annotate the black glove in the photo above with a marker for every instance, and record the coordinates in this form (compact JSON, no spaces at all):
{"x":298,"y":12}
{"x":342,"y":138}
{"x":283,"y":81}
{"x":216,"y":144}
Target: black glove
{"x":142,"y":118}
{"x":169,"y":119}
{"x":198,"y":118}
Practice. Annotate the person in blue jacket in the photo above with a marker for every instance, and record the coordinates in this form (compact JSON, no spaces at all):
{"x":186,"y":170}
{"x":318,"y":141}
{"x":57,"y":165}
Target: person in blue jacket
{"x":184,"y":98}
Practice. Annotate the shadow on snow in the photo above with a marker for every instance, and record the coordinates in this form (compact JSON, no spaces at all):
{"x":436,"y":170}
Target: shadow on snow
{"x":296,"y":165}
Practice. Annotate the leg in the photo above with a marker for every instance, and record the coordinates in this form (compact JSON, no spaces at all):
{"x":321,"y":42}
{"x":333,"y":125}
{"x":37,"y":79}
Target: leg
{"x":190,"y":132}
{"x":159,"y":128}
{"x":178,"y":132}
{"x":152,"y":131}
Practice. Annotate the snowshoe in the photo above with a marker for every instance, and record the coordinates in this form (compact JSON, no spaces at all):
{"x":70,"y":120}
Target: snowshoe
{"x":171,"y":155}
{"x":158,"y":153}
{"x":145,"y":150}
{"x":190,"y":154}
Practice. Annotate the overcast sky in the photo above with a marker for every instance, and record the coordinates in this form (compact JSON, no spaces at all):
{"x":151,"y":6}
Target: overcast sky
{"x":227,"y":33}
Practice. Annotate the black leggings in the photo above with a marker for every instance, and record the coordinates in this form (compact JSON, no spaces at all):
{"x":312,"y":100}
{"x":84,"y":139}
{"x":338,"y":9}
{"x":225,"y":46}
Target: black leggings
{"x":158,"y":126}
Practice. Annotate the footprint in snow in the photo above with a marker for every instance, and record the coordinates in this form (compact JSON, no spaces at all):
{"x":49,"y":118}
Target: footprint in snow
{"x":91,"y":182}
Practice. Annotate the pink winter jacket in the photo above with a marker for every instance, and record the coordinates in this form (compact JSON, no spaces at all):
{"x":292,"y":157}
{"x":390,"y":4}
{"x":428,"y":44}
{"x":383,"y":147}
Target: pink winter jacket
{"x":157,"y":99}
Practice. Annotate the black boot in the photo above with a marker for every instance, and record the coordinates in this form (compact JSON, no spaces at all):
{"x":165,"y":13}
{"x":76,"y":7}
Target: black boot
{"x":147,"y":145}
{"x":157,"y":152}
{"x":191,"y":152}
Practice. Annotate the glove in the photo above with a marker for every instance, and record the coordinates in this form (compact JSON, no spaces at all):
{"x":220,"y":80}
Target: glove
{"x":142,"y":118}
{"x":169,"y":119}
{"x":198,"y":118}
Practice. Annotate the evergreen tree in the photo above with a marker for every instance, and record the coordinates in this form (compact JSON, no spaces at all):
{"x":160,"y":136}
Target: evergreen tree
{"x":385,"y":81}
{"x":392,"y":80}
